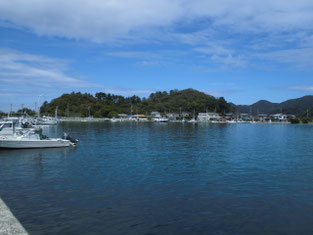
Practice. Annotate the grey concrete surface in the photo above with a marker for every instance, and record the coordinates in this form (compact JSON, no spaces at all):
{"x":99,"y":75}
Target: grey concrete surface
{"x":9,"y":225}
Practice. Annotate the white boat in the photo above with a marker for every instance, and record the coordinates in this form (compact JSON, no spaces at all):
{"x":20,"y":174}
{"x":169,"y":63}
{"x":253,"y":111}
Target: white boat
{"x":115,"y":120}
{"x":193,"y":121}
{"x":161,"y":120}
{"x":12,"y":143}
{"x":47,"y":121}
{"x":32,"y":139}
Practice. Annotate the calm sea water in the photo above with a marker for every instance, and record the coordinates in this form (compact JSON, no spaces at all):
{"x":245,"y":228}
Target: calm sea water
{"x":148,"y":178}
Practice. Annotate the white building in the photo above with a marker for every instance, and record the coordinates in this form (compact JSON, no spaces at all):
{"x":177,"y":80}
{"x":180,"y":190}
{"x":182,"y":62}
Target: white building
{"x":205,"y":117}
{"x":280,"y":117}
{"x":172,"y":116}
{"x":155,"y":115}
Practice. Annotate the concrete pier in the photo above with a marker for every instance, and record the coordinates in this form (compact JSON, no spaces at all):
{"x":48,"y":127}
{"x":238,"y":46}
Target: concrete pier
{"x":9,"y":225}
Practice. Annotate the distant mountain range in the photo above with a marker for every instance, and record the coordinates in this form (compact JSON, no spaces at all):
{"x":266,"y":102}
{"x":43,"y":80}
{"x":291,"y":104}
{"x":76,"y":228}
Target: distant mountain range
{"x":294,"y":106}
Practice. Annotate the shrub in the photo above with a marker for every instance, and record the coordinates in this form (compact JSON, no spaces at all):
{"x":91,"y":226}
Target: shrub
{"x":294,"y":121}
{"x":305,"y":120}
{"x":112,"y":114}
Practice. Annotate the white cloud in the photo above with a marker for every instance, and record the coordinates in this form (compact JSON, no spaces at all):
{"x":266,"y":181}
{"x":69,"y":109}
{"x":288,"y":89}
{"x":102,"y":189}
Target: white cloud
{"x":300,"y":58}
{"x":99,"y":20}
{"x":134,"y":54}
{"x":229,"y":61}
{"x":95,"y":20}
{"x":24,"y":73}
{"x":308,"y":88}
{"x":228,"y":33}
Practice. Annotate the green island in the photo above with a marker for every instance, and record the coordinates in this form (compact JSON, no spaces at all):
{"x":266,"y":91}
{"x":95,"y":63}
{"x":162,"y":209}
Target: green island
{"x":110,"y":105}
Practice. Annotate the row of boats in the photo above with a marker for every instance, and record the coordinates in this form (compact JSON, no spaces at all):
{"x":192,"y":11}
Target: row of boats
{"x":23,"y":135}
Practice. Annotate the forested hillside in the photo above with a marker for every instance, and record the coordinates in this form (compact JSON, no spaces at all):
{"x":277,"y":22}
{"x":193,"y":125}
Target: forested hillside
{"x":109,"y":105}
{"x":298,"y":106}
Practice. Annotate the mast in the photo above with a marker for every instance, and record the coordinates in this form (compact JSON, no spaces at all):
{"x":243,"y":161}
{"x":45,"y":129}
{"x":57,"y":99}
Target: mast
{"x":56,"y":112}
{"x":180,"y":113}
{"x":11,"y":107}
{"x":39,"y":105}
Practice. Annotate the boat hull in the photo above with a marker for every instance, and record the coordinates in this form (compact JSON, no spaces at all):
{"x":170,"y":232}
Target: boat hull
{"x":28,"y":144}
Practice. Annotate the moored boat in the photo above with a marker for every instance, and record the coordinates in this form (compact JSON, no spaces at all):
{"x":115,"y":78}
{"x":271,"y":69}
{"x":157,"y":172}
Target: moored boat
{"x":34,"y":139}
{"x":11,"y":143}
{"x":161,"y":120}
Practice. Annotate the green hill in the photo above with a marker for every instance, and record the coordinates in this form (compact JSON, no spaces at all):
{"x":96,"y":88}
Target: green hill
{"x":108,"y":105}
{"x":297,"y":106}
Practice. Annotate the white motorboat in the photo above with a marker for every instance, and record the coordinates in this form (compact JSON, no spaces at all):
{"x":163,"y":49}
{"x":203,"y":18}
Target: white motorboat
{"x":13,"y":143}
{"x":161,"y":120}
{"x":33,"y":138}
{"x":47,"y":121}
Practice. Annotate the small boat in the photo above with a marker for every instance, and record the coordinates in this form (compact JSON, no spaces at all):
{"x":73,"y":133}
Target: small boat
{"x":47,"y":121}
{"x":34,"y":139}
{"x":193,"y":120}
{"x":161,"y":120}
{"x":115,"y":120}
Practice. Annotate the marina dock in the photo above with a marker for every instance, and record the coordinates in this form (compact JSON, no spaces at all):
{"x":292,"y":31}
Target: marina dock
{"x":9,"y":225}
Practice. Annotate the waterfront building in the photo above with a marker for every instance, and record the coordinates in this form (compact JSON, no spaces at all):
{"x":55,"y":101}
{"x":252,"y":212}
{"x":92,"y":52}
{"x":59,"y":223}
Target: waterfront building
{"x":279,"y":117}
{"x":205,"y":117}
{"x":263,"y":117}
{"x":229,"y":116}
{"x":155,"y":115}
{"x":172,"y":116}
{"x":122,"y":115}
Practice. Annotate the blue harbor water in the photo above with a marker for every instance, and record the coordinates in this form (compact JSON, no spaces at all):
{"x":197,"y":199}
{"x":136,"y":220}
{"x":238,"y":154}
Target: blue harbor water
{"x":148,"y":178}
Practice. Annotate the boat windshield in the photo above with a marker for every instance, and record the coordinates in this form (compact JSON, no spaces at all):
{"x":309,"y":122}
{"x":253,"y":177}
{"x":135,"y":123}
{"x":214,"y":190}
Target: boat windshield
{"x":5,"y":125}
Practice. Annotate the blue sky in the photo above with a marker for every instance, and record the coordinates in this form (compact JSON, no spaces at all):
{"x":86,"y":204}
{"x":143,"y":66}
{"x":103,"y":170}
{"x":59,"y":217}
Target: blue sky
{"x":242,"y":50}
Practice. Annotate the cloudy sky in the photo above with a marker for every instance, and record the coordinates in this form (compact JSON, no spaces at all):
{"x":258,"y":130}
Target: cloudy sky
{"x":242,"y":50}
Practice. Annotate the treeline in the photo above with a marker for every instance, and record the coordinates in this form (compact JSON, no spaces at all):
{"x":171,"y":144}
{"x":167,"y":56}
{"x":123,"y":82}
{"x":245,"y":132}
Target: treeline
{"x":109,"y":105}
{"x":20,"y":112}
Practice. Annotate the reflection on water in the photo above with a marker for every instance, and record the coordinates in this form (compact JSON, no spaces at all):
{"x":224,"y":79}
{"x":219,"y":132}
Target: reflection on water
{"x":156,"y":178}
